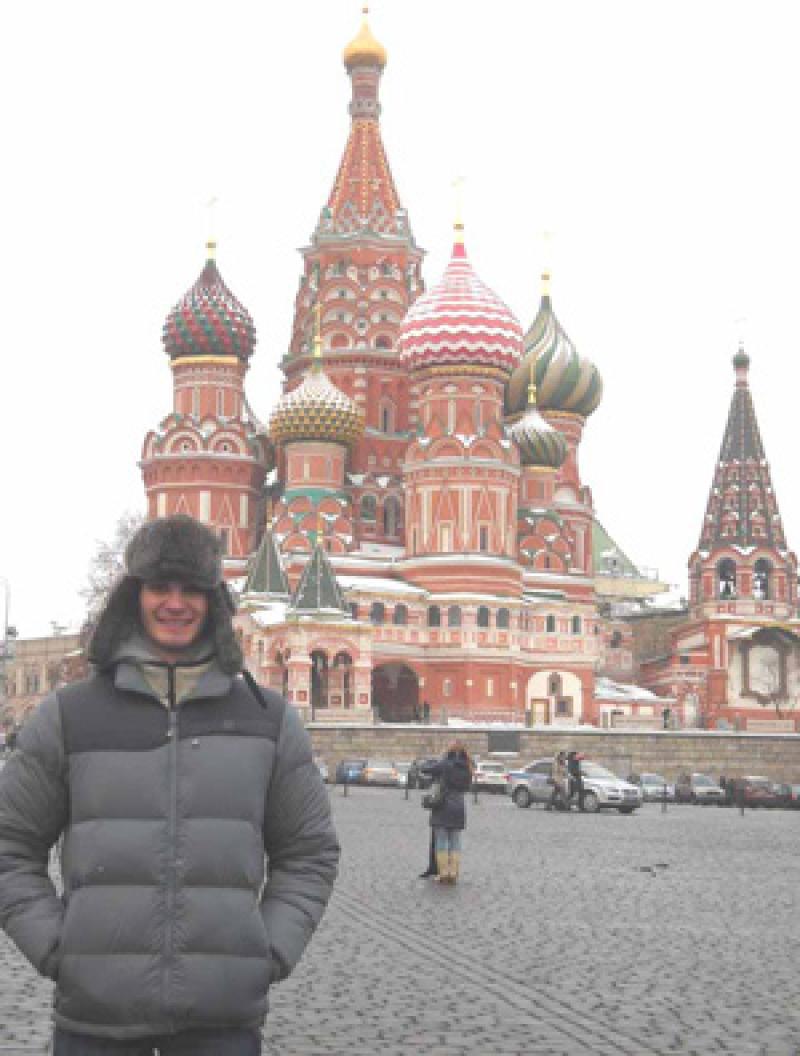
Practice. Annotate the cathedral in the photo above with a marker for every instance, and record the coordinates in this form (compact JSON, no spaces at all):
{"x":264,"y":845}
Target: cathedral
{"x":407,"y":530}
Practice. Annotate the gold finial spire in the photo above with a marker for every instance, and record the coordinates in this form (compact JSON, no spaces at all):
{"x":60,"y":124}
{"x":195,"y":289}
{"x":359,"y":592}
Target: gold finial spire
{"x":316,"y":354}
{"x":532,"y":385}
{"x":211,"y":227}
{"x":364,"y":49}
{"x":547,"y":253}
{"x":458,"y":201}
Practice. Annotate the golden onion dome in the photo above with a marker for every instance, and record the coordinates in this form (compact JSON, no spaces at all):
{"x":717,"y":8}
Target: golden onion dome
{"x":316,"y":410}
{"x":364,"y":49}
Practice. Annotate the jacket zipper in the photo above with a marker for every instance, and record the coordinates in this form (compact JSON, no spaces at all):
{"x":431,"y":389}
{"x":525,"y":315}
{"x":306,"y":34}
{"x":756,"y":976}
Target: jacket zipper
{"x":172,"y":828}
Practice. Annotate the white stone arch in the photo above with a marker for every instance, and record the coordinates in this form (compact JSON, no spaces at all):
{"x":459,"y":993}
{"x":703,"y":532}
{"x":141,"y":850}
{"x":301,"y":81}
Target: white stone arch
{"x":544,"y":704}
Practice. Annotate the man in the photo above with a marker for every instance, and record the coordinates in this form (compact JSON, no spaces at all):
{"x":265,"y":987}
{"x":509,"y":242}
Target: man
{"x":169,"y":777}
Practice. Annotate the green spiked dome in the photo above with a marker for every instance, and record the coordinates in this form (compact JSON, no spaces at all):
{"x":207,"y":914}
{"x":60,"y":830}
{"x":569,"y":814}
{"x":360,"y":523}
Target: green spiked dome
{"x":565,"y":381}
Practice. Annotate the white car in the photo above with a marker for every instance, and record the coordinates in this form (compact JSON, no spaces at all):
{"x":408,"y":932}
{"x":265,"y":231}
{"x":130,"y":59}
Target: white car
{"x":491,"y":777}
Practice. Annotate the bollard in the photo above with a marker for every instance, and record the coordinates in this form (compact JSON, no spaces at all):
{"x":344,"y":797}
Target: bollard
{"x":664,"y":800}
{"x":741,"y":800}
{"x":474,"y":792}
{"x":406,"y":788}
{"x":345,"y":783}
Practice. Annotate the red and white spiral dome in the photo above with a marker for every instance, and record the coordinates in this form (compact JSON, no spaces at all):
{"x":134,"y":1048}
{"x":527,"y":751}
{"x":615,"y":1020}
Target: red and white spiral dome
{"x":460,"y":322}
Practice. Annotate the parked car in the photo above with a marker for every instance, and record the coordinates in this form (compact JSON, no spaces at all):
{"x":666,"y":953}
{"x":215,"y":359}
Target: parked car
{"x":752,"y":791}
{"x":490,"y":776}
{"x":698,"y":788}
{"x":792,"y":796}
{"x":417,"y":775}
{"x":602,"y":788}
{"x":378,"y":772}
{"x":348,"y":771}
{"x":322,"y":766}
{"x":652,"y":786}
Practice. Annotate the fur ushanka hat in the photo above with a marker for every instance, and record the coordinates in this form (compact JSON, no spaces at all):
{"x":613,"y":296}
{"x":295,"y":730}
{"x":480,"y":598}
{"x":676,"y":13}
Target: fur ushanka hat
{"x":174,"y":549}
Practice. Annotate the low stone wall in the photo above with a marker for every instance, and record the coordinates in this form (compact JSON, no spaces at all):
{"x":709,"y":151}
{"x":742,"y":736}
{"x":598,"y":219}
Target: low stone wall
{"x":665,"y":752}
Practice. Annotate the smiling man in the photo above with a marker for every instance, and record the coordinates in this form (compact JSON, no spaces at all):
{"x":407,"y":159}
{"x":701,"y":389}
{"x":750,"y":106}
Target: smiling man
{"x":198,"y":852}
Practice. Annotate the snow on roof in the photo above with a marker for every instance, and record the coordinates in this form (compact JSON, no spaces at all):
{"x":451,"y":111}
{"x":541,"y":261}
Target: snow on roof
{"x":271,"y":614}
{"x":378,"y":585}
{"x":608,"y":689}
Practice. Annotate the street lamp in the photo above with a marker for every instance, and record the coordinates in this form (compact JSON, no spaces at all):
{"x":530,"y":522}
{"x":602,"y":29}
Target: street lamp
{"x":7,"y":632}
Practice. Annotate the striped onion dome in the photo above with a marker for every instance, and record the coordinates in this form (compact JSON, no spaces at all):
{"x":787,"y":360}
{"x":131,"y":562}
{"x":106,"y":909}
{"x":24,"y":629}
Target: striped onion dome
{"x":565,"y":381}
{"x":316,"y":410}
{"x":208,"y":320}
{"x":538,"y":442}
{"x":460,"y":321}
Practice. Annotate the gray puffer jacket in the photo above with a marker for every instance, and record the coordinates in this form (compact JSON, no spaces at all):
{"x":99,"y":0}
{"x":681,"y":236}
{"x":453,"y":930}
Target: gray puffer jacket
{"x":171,"y":919}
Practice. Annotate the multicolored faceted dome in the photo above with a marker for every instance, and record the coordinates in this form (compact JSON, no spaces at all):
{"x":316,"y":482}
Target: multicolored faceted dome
{"x":364,"y":49}
{"x":460,"y":321}
{"x":564,"y":380}
{"x":208,"y":320}
{"x":316,"y":410}
{"x":538,"y":442}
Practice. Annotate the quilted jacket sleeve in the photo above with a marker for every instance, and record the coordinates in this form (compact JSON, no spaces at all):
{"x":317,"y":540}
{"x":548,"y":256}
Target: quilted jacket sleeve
{"x":33,"y":813}
{"x":301,"y":845}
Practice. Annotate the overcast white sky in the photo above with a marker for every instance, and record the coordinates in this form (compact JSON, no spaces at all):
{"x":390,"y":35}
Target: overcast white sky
{"x":657,"y":140}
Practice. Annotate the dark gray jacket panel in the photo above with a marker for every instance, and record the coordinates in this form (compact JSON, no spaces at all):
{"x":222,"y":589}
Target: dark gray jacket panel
{"x":33,"y":812}
{"x":172,"y":917}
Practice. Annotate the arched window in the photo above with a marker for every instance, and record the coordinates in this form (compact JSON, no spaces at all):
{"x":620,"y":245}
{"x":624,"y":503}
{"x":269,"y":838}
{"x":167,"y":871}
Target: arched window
{"x":454,"y":616}
{"x":319,"y":680}
{"x":550,"y":624}
{"x":368,"y":507}
{"x":342,"y":679}
{"x":377,"y":612}
{"x":383,"y":342}
{"x":554,"y":685}
{"x":503,"y":618}
{"x":353,"y":606}
{"x":761,"y":579}
{"x":576,"y":625}
{"x":483,"y":616}
{"x":391,"y":516}
{"x":434,"y":616}
{"x":400,"y":615}
{"x":726,"y":578}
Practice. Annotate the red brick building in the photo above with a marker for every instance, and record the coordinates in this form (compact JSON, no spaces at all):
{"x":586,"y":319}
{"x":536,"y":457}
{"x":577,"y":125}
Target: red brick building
{"x":410,"y":534}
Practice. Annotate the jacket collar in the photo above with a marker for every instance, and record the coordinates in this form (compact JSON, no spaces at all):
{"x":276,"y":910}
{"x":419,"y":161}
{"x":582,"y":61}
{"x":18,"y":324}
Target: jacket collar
{"x":137,"y":668}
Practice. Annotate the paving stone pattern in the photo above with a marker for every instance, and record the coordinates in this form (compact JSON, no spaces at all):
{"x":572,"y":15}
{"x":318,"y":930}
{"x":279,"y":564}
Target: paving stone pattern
{"x":568,"y":935}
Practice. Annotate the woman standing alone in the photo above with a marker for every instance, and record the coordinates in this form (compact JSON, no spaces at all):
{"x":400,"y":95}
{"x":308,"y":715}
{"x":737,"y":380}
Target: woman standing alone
{"x":449,"y":816}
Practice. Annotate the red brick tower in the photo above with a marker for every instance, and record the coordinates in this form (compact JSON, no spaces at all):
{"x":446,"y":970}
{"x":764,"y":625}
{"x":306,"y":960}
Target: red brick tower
{"x":362,"y":269}
{"x":461,"y":472}
{"x":207,"y":458}
{"x":736,"y":662}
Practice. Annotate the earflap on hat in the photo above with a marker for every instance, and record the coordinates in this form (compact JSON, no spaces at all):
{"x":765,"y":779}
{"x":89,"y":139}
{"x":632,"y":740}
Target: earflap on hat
{"x":220,"y":622}
{"x":118,"y":620}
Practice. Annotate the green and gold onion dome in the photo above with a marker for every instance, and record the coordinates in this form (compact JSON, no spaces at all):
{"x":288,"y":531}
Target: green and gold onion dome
{"x":564,"y":380}
{"x":364,"y":49}
{"x":209,"y":320}
{"x":316,"y":410}
{"x":538,"y":442}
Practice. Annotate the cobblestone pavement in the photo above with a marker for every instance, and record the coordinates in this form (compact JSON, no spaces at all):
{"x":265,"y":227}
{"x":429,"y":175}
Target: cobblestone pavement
{"x":568,"y":935}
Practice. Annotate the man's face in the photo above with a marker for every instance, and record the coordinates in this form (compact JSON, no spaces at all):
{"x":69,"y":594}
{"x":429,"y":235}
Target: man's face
{"x":173,"y":616}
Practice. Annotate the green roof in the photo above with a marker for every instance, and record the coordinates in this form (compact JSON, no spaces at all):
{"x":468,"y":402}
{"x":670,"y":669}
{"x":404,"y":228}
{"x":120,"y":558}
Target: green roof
{"x":608,"y":556}
{"x":266,"y":575}
{"x":318,"y":588}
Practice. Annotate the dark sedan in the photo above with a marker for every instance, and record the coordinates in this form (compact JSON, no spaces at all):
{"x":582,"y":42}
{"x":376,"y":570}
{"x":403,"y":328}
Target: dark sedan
{"x":417,"y":775}
{"x":348,"y":771}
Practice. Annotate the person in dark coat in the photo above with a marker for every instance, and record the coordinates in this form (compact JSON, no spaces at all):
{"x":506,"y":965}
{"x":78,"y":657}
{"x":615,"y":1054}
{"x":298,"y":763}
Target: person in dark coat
{"x":449,"y":817}
{"x":196,"y":843}
{"x":575,"y":776}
